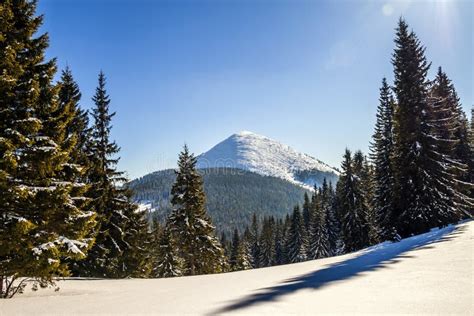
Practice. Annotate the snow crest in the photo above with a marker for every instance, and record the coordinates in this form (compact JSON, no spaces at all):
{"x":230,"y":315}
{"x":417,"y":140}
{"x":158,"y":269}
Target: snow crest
{"x":262,"y":155}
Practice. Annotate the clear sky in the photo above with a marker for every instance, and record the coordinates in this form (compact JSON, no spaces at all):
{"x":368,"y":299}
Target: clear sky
{"x":306,"y":73}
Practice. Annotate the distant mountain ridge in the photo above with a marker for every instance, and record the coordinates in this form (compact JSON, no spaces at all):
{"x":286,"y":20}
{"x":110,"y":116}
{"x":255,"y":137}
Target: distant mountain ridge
{"x":256,"y":153}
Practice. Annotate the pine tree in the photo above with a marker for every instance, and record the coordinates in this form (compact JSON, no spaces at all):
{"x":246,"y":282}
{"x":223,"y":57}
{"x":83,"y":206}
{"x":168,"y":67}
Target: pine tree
{"x":417,"y":166}
{"x":43,"y":216}
{"x":381,"y":155}
{"x":122,"y":235}
{"x":333,"y":224}
{"x":451,"y":132}
{"x":69,"y":97}
{"x":254,"y":242}
{"x":267,"y":243}
{"x":296,"y":243}
{"x":307,"y":211}
{"x":190,"y":225}
{"x":279,"y":242}
{"x":168,"y":263}
{"x":319,"y":244}
{"x":351,"y":207}
{"x":239,"y":257}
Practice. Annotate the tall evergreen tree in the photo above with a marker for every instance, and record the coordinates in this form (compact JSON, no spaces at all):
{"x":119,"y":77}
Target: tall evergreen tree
{"x":254,"y":242}
{"x":307,"y":211}
{"x":267,"y":243}
{"x":168,"y":263}
{"x":43,"y":217}
{"x":319,"y":244}
{"x":296,"y":242}
{"x":351,"y":208}
{"x":381,"y":155}
{"x":419,"y":174}
{"x":451,"y":132}
{"x":239,"y":255}
{"x":122,"y":235}
{"x":189,"y":222}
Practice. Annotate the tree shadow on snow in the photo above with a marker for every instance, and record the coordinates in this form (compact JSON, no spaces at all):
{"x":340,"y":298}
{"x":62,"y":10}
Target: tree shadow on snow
{"x":371,"y":259}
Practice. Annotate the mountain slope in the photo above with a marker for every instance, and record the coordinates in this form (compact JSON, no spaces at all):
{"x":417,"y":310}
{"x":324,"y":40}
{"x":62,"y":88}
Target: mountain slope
{"x":233,"y":195}
{"x":426,"y":274}
{"x":265,"y":156}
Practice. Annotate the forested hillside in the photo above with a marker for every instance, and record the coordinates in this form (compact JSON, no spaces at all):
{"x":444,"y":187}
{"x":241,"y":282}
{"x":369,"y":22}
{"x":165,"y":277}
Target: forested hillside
{"x":233,"y":195}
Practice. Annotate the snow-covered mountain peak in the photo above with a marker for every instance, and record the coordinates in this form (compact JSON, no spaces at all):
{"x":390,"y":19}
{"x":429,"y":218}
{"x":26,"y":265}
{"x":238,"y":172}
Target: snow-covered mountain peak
{"x":260,"y":154}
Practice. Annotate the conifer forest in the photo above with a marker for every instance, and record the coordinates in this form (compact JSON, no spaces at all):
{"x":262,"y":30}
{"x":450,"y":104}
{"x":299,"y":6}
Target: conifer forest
{"x":68,"y":211}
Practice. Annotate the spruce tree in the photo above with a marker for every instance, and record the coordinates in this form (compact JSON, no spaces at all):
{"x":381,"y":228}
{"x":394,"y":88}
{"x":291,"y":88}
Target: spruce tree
{"x":421,"y":181}
{"x":168,"y":263}
{"x":122,"y":235}
{"x":307,"y":211}
{"x":239,"y":256}
{"x":451,"y":131}
{"x":44,"y":220}
{"x":254,"y":242}
{"x":319,"y":244}
{"x":267,"y":243}
{"x":296,"y":243}
{"x":333,"y":224}
{"x":189,"y":223}
{"x":351,"y":207}
{"x":381,"y":155}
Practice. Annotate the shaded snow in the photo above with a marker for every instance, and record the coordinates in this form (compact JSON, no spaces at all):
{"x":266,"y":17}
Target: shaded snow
{"x":426,"y":274}
{"x":262,"y":155}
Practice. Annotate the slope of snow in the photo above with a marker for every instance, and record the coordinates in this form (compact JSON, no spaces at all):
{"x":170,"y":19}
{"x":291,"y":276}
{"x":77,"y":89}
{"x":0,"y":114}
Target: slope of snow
{"x":426,"y":274}
{"x":262,"y":155}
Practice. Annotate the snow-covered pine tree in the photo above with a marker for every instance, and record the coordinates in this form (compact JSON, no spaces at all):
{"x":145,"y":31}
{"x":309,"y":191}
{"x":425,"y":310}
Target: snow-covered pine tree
{"x":451,"y":132}
{"x":239,"y":256}
{"x":418,"y":167}
{"x":296,"y":242}
{"x":122,"y":235}
{"x":42,"y":222}
{"x":267,"y":243}
{"x":69,"y":96}
{"x":381,"y":155}
{"x":351,"y":208}
{"x":189,"y":223}
{"x":168,"y":263}
{"x":319,"y":245}
{"x":333,"y":224}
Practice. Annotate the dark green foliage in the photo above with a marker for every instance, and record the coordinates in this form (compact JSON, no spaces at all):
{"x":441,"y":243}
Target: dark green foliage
{"x":267,"y":243}
{"x":44,"y":218}
{"x":351,"y":205}
{"x":451,"y":132}
{"x":296,"y":240}
{"x":319,"y":242}
{"x":224,"y":188}
{"x":382,"y":155}
{"x":167,"y":264}
{"x":239,"y":254}
{"x":122,"y":235}
{"x":189,"y":223}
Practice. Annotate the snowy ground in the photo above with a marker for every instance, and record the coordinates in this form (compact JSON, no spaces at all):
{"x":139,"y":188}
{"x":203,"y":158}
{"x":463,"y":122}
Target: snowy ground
{"x":426,"y":274}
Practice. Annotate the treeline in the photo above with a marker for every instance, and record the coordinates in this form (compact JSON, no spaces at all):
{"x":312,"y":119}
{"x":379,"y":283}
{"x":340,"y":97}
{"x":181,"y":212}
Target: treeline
{"x":65,"y":211}
{"x":224,"y":189}
{"x":419,"y":176}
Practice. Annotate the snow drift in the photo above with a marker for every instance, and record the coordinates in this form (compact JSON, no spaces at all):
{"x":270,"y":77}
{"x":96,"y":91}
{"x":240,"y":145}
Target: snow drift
{"x":426,"y":274}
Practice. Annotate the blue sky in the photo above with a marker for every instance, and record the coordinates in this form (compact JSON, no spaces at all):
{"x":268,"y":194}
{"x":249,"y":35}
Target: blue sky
{"x":306,"y":73}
